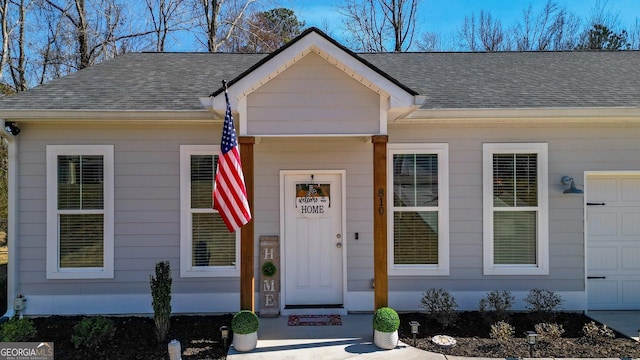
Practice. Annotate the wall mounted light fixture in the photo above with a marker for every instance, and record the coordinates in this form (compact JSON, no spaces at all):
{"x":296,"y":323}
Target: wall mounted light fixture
{"x":11,"y":128}
{"x":567,"y":180}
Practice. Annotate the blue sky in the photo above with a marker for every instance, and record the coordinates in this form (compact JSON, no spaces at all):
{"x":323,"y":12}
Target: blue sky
{"x":446,"y":16}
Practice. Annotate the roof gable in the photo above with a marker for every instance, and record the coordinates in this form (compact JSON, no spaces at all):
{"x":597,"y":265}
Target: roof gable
{"x":317,"y":42}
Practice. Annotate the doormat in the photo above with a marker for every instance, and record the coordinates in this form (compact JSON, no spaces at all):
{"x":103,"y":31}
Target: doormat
{"x":314,"y":320}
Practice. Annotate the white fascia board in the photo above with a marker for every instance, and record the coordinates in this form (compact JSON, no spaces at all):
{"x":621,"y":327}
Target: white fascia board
{"x":204,"y":115}
{"x":316,"y":43}
{"x":581,"y":115}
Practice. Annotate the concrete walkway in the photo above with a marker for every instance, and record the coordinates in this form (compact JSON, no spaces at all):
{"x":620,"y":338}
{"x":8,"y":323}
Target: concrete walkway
{"x":624,"y":322}
{"x":354,"y":339}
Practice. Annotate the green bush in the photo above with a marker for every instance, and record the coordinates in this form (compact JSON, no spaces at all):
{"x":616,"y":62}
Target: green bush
{"x":440,"y":306}
{"x":16,"y":330}
{"x":502,"y":331}
{"x":244,"y":322}
{"x":93,"y":332}
{"x":386,"y":320}
{"x":161,"y":299}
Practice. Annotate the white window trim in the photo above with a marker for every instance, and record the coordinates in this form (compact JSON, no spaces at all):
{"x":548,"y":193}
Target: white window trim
{"x":542,"y":248}
{"x":442,"y":268}
{"x":186,"y":243}
{"x":53,"y":267}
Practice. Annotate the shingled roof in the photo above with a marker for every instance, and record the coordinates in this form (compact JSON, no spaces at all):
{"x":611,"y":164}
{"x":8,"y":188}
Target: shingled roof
{"x":176,"y":81}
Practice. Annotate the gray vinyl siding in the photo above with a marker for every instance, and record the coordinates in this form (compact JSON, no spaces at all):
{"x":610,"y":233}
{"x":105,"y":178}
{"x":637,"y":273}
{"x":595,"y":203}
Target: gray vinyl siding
{"x":313,"y":97}
{"x":147,"y":217}
{"x":147,"y":206}
{"x":573,"y":149}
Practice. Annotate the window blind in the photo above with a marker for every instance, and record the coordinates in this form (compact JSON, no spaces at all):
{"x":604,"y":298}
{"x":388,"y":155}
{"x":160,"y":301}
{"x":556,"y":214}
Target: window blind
{"x":515,"y":180}
{"x":415,"y":180}
{"x":415,"y":236}
{"x":515,"y":193}
{"x":514,"y":237}
{"x":80,"y":205}
{"x":212,"y":243}
{"x":80,"y":182}
{"x":415,"y":213}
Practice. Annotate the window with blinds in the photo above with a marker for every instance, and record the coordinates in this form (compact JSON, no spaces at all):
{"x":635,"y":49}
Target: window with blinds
{"x":418,"y":209}
{"x":80,"y":211}
{"x":515,"y":198}
{"x":211,"y":242}
{"x":415,"y":212}
{"x":516,"y":225}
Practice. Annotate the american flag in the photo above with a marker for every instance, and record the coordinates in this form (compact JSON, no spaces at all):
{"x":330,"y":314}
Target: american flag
{"x":229,"y":191}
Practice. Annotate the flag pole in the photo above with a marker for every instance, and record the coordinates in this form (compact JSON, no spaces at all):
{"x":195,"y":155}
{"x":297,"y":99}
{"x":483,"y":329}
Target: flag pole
{"x":229,"y":191}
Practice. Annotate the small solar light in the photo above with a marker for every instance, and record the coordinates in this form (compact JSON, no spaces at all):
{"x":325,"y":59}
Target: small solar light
{"x":414,"y":330}
{"x":174,"y":349}
{"x":224,"y":334}
{"x":531,"y":340}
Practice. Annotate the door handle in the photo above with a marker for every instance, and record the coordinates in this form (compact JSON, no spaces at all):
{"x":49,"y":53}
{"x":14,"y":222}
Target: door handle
{"x":596,"y":277}
{"x":339,"y":245}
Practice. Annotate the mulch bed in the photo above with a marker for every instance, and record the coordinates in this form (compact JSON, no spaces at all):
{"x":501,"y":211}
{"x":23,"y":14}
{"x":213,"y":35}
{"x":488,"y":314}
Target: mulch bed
{"x":135,"y":338}
{"x":471,"y":332}
{"x":200,"y":338}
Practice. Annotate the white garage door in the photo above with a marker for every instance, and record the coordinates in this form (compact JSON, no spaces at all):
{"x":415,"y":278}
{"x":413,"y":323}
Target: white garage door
{"x":613,"y":242}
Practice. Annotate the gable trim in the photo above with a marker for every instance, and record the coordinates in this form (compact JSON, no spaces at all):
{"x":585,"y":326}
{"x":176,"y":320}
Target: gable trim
{"x":313,"y":40}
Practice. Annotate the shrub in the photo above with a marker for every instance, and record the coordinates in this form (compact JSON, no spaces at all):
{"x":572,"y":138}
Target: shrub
{"x":161,"y":299}
{"x":549,"y":331}
{"x":440,"y":306}
{"x":244,"y":322}
{"x":498,"y":302}
{"x":386,"y":320}
{"x":93,"y":332}
{"x":502,"y":331}
{"x":16,"y":330}
{"x":541,"y":300}
{"x":542,"y":305}
{"x":596,"y":334}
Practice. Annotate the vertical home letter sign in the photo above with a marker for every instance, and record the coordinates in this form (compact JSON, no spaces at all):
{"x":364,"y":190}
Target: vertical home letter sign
{"x":269,"y":276}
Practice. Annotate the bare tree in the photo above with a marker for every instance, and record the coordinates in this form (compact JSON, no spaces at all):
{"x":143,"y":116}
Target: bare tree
{"x":94,"y":26}
{"x":485,"y":35}
{"x":491,"y":33}
{"x":429,"y":41}
{"x":553,"y":28}
{"x":4,"y":32}
{"x":634,"y":35}
{"x":222,"y":21}
{"x":166,"y":16}
{"x":17,"y":66}
{"x":380,"y":25}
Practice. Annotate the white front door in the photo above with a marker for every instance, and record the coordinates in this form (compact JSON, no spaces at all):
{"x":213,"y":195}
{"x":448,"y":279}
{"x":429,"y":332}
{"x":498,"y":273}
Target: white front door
{"x":613,"y":242}
{"x":313,"y":238}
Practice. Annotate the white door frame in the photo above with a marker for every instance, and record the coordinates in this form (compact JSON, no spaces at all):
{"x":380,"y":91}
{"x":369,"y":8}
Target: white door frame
{"x":587,"y":175}
{"x":343,"y":226}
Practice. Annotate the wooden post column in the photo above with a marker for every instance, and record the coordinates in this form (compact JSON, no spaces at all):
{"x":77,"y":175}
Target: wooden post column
{"x":381,"y":280}
{"x":247,"y":281}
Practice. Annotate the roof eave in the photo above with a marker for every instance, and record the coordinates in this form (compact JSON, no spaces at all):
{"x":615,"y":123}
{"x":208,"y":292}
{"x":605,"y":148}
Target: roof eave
{"x":503,"y":115}
{"x":203,"y":115}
